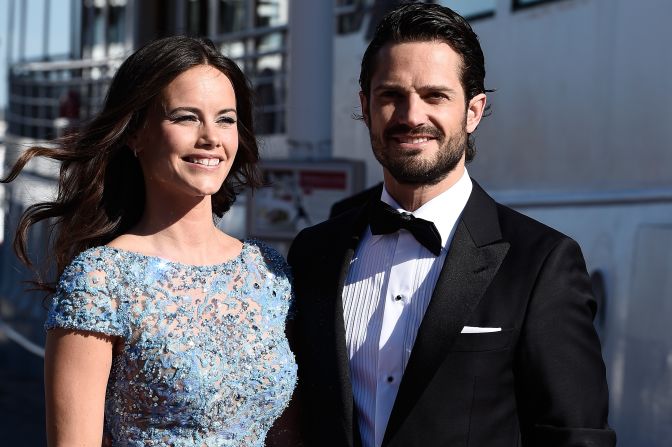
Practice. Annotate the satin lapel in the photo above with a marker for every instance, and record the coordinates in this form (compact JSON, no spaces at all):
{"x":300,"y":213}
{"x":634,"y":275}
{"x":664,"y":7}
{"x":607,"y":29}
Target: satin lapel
{"x":351,"y":226}
{"x":475,"y":255}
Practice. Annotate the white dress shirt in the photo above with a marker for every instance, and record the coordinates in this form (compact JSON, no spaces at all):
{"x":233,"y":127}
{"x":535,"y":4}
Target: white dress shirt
{"x":386,"y":292}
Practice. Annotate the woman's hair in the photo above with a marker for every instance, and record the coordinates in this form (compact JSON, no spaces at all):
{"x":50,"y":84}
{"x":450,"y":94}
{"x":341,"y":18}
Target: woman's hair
{"x":101,"y":186}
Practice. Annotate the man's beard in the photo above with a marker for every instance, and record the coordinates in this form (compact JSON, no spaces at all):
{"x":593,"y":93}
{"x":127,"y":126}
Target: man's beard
{"x":409,"y":167}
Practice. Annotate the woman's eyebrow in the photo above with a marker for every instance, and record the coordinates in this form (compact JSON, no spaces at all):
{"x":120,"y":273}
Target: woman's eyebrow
{"x":197,"y":110}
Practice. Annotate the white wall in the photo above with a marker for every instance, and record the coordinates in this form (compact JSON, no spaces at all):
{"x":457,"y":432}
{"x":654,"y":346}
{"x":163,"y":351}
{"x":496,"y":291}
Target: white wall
{"x":581,"y":98}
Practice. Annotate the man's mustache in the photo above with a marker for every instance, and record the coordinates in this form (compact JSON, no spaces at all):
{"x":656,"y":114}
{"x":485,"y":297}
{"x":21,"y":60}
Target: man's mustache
{"x":404,"y":129}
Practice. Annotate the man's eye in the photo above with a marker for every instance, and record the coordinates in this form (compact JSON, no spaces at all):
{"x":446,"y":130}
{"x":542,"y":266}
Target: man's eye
{"x":389,"y":94}
{"x":438,"y":96}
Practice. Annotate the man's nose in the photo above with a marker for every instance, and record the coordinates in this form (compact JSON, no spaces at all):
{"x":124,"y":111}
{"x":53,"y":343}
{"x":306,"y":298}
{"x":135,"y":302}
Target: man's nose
{"x":411,"y":111}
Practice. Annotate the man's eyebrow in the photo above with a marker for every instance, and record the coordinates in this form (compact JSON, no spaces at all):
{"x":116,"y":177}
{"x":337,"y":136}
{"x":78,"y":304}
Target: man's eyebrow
{"x":438,"y":88}
{"x":424,"y":88}
{"x":388,"y":86}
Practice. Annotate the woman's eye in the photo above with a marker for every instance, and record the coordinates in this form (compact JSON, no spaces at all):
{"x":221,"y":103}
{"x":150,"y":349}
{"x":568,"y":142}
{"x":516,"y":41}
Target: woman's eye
{"x":227,"y":120}
{"x":183,"y":118}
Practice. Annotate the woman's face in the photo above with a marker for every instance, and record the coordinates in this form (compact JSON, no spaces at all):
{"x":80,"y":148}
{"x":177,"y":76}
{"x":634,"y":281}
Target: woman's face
{"x":190,"y":137}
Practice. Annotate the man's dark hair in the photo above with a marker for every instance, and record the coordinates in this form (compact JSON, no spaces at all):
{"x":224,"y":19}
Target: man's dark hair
{"x":421,"y":22}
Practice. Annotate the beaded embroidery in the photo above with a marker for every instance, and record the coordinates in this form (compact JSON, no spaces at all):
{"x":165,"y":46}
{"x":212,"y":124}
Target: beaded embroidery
{"x":205,"y":360}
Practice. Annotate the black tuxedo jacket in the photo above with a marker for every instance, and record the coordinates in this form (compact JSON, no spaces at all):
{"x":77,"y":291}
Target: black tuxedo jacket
{"x":539,"y":382}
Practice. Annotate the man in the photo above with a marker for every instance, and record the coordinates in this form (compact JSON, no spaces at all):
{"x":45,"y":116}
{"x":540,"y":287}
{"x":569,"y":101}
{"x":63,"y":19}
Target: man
{"x":431,"y":315}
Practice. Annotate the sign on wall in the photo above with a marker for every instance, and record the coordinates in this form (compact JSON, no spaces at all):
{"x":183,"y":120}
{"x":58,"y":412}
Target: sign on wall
{"x":300,"y":194}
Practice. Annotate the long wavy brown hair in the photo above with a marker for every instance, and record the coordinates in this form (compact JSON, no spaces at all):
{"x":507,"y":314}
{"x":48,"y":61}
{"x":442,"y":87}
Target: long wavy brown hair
{"x":101,"y":186}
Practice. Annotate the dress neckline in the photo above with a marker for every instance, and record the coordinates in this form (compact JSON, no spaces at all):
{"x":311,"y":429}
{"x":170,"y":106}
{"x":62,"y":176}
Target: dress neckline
{"x":238,"y":258}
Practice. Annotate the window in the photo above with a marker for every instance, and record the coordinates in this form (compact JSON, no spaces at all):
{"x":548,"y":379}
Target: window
{"x":196,"y":20}
{"x":271,"y":13}
{"x":520,"y":4}
{"x":350,"y":14}
{"x":254,"y":34}
{"x":116,"y":30}
{"x":471,"y":9}
{"x":232,"y":16}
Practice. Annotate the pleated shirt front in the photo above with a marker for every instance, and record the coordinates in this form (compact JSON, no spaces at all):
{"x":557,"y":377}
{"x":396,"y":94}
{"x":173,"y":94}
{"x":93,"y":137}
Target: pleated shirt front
{"x":388,"y":287}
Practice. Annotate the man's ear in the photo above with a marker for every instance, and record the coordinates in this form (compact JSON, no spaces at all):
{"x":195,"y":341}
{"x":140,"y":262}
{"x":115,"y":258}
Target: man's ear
{"x":475,"y":111}
{"x":364,"y":103}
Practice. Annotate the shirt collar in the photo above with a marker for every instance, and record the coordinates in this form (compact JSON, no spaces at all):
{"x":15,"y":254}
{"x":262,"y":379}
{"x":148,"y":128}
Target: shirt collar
{"x":443,"y":210}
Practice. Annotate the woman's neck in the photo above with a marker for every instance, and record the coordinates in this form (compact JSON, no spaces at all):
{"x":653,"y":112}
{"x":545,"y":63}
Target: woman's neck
{"x":180,"y":231}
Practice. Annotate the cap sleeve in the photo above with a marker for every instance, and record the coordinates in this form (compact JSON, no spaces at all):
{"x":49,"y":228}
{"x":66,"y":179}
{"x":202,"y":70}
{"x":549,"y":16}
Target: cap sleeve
{"x":283,"y":276}
{"x":83,"y":300}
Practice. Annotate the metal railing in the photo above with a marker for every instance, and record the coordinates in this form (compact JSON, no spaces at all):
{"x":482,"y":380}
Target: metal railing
{"x":262,"y":54}
{"x":47,"y":98}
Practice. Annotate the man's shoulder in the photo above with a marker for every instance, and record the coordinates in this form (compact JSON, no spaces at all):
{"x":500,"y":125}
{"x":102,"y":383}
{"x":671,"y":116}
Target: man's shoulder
{"x":526,"y":232}
{"x":512,"y":220}
{"x":356,"y":200}
{"x":514,"y":225}
{"x":333,"y":232}
{"x":334,"y":226}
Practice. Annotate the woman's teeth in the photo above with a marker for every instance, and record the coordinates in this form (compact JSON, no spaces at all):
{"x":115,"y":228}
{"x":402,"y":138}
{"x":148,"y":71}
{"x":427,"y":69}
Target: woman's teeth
{"x":204,"y":161}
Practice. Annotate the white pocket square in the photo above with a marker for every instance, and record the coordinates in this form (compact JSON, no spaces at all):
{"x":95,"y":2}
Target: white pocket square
{"x":479,"y":330}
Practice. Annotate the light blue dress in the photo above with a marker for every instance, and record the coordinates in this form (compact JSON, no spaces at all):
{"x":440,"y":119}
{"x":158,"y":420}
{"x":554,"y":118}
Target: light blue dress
{"x":202,"y":357}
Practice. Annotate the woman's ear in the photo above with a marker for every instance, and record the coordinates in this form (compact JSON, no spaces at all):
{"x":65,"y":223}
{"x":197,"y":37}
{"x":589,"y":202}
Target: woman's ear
{"x":133,"y":144}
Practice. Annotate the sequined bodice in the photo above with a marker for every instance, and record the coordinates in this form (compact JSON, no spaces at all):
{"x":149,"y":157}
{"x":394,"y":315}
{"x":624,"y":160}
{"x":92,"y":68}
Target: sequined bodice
{"x":203,"y":359}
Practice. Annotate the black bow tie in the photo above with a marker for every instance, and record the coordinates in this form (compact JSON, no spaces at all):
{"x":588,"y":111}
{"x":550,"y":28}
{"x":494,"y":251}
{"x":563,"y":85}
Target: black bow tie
{"x":384,"y":220}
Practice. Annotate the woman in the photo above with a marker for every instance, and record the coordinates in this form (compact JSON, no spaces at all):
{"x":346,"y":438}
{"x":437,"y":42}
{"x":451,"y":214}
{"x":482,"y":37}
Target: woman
{"x":163,"y":330}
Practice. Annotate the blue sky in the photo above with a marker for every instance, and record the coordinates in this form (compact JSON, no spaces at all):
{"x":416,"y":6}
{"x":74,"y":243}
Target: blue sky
{"x":59,"y":33}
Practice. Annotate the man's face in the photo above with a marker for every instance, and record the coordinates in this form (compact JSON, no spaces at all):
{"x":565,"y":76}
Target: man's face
{"x":416,"y":112}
